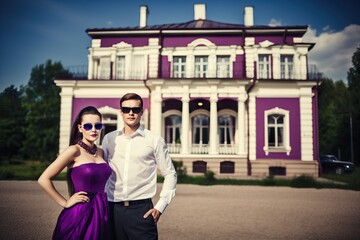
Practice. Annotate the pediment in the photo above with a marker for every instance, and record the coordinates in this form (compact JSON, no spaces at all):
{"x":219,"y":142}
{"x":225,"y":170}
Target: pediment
{"x":122,"y":44}
{"x":266,"y":43}
{"x":201,"y":42}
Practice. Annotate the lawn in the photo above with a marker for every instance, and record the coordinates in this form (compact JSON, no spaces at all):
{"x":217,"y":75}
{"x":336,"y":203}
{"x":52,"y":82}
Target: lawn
{"x":31,"y":170}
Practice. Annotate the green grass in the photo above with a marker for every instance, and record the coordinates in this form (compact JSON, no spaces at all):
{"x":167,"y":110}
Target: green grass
{"x":24,"y":170}
{"x":352,"y":179}
{"x":31,"y":170}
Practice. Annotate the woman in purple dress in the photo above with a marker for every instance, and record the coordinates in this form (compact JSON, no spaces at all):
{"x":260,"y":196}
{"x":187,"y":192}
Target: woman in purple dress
{"x":86,"y":212}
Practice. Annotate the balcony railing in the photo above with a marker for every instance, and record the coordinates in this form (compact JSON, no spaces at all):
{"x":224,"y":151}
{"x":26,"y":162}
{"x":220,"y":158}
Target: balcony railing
{"x":199,"y":149}
{"x":81,"y":72}
{"x":174,"y":147}
{"x":228,"y":149}
{"x":224,"y":149}
{"x":276,"y":74}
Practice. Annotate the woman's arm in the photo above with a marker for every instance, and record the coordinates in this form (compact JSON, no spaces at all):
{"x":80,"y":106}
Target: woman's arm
{"x":54,"y":169}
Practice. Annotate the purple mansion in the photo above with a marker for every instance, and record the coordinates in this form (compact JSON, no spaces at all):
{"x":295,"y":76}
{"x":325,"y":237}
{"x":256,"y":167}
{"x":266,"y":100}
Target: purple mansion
{"x":236,"y":99}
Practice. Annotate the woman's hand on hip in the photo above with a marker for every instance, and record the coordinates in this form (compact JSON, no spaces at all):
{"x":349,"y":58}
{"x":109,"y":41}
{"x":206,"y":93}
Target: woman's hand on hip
{"x":79,"y":197}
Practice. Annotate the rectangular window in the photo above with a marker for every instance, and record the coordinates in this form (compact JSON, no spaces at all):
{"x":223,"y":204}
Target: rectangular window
{"x":179,"y":67}
{"x":201,"y":66}
{"x":275,"y":130}
{"x":120,"y":67}
{"x":264,"y":67}
{"x":287,"y":66}
{"x":104,"y":68}
{"x":223,"y":66}
{"x":138,"y":67}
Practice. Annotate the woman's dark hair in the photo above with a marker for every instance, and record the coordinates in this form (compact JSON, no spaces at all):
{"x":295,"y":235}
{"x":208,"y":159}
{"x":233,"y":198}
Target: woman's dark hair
{"x":131,"y":96}
{"x":75,"y":136}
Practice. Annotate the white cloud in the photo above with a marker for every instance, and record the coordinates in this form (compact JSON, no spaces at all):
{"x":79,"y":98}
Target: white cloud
{"x":333,"y":50}
{"x":275,"y":22}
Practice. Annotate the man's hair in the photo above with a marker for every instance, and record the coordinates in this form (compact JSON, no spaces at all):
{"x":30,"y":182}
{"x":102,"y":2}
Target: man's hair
{"x":131,"y":96}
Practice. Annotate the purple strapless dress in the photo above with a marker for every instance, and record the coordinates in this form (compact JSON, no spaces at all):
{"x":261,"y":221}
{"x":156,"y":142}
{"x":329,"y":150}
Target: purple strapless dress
{"x":87,"y":220}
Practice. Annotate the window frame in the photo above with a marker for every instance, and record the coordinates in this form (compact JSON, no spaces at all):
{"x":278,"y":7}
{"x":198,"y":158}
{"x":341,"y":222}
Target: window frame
{"x":120,"y":70}
{"x":201,"y":72}
{"x":173,"y":128}
{"x":220,"y":73}
{"x":179,"y":73}
{"x":264,"y":67}
{"x":286,"y":67}
{"x":286,"y":131}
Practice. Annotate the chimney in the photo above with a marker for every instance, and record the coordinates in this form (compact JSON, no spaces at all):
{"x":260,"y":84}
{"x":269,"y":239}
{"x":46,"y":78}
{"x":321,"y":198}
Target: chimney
{"x":249,"y":16}
{"x":143,"y":15}
{"x":199,"y":11}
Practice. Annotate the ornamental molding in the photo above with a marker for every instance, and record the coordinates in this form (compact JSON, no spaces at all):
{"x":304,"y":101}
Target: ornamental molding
{"x":201,"y":41}
{"x":265,"y":44}
{"x":122,"y":44}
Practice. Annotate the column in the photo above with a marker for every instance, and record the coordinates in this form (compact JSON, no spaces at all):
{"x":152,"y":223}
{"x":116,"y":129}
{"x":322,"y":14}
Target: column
{"x":213,"y":125}
{"x":185,"y":124}
{"x":241,"y":125}
{"x":306,"y":124}
{"x":156,"y":108}
{"x":65,"y":117}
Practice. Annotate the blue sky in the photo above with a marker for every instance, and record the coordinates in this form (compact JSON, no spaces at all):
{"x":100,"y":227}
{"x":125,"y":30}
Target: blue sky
{"x":33,"y":31}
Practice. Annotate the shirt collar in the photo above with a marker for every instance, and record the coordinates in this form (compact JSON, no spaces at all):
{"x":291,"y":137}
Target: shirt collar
{"x":140,"y":131}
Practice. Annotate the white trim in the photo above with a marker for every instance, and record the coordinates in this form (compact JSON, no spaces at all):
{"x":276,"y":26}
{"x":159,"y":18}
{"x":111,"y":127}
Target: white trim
{"x":287,"y":147}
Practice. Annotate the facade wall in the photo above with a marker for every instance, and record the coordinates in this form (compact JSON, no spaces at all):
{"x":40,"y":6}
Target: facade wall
{"x":250,"y":77}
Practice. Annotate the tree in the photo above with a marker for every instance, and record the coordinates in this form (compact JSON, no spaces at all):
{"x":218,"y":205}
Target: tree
{"x":42,"y":102}
{"x":328,"y":121}
{"x":12,"y":122}
{"x":354,"y":89}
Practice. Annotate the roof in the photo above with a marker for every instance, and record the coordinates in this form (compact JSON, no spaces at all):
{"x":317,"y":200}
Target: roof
{"x":202,"y":25}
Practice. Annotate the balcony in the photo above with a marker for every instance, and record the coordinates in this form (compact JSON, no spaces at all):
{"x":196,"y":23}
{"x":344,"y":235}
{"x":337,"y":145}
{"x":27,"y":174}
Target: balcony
{"x":276,"y":74}
{"x":80,"y":72}
{"x":224,"y":149}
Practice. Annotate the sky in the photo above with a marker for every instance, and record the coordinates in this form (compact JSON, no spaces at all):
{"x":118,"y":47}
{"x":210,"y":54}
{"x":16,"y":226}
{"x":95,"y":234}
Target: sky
{"x":33,"y":31}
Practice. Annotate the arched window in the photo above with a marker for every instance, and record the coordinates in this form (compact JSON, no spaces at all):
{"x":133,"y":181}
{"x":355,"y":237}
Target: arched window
{"x":172,"y":129}
{"x":110,"y":124}
{"x":226,"y":129}
{"x":200,"y":129}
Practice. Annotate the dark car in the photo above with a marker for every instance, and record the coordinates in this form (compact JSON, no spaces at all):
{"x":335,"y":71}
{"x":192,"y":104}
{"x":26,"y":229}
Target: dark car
{"x":330,"y":164}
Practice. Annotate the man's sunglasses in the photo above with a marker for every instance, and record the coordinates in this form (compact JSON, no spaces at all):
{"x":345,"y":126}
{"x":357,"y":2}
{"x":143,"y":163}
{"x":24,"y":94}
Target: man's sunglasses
{"x":135,"y":110}
{"x":89,"y":126}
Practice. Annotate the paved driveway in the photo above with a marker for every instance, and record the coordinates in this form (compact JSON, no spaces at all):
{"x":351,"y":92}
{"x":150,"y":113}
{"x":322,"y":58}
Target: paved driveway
{"x":206,"y":212}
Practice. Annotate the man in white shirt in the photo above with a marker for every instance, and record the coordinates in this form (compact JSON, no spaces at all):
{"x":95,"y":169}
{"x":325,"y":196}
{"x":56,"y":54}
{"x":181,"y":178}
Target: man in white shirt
{"x":135,"y":154}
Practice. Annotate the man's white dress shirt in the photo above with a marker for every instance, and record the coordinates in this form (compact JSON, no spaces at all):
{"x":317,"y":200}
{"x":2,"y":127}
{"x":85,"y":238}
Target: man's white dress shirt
{"x":135,"y":160}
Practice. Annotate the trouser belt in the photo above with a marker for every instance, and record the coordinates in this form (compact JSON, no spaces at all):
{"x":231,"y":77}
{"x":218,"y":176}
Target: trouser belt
{"x":134,"y":202}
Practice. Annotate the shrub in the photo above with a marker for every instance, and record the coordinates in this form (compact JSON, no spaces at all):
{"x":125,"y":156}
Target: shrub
{"x":209,"y":176}
{"x":180,"y":169}
{"x":269,"y":181}
{"x":303,"y":181}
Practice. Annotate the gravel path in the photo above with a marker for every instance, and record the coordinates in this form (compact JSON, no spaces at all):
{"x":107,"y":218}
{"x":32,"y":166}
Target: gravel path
{"x":206,"y":212}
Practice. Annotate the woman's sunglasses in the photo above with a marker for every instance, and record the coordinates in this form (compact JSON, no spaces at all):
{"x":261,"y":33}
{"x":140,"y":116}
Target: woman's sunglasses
{"x":135,"y":110}
{"x":89,"y":126}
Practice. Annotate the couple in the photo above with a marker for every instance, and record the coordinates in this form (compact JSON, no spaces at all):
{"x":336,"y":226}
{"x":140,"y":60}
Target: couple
{"x":124,"y":210}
